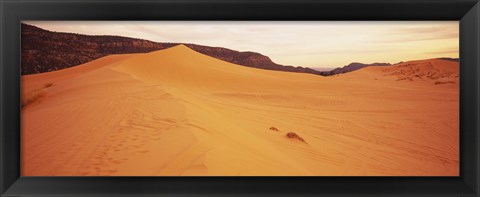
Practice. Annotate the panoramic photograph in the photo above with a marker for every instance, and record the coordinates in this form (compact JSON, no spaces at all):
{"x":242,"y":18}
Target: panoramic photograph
{"x":239,"y":98}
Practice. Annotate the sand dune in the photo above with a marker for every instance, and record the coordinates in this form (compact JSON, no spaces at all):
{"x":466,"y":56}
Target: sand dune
{"x":433,"y":71}
{"x":178,"y":112}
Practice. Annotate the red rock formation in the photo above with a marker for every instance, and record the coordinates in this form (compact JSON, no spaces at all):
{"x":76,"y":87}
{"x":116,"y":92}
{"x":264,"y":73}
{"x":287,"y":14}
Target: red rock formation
{"x":44,"y":51}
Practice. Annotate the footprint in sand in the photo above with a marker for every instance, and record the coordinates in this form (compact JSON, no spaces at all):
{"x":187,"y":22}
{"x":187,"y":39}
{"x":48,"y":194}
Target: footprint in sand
{"x":117,"y":162}
{"x":108,"y":172}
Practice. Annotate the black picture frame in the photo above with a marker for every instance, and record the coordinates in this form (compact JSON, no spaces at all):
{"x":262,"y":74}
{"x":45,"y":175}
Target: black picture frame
{"x":465,"y":11}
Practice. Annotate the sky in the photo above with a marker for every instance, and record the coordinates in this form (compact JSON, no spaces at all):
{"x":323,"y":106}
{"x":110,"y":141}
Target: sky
{"x":318,"y":44}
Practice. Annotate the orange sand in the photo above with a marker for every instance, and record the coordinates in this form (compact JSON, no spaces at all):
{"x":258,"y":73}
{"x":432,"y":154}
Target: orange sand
{"x":178,"y":112}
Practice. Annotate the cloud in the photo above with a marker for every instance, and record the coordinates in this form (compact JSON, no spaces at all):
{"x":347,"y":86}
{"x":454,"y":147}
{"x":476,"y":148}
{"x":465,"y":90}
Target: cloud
{"x":421,"y":33}
{"x":447,"y":51}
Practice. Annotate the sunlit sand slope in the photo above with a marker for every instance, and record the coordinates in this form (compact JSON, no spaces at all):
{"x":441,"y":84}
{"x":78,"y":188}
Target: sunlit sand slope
{"x":178,"y":112}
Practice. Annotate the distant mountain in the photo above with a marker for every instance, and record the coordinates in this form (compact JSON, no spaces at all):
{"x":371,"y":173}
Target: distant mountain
{"x":352,"y":67}
{"x":450,"y":59}
{"x":323,"y":69}
{"x":44,"y":51}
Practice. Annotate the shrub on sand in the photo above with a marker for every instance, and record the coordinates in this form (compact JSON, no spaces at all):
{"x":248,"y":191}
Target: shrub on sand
{"x":293,"y":135}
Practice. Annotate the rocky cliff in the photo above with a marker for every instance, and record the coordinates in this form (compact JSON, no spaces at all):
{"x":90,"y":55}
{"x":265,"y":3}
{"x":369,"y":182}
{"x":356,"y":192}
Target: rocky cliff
{"x":44,"y":51}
